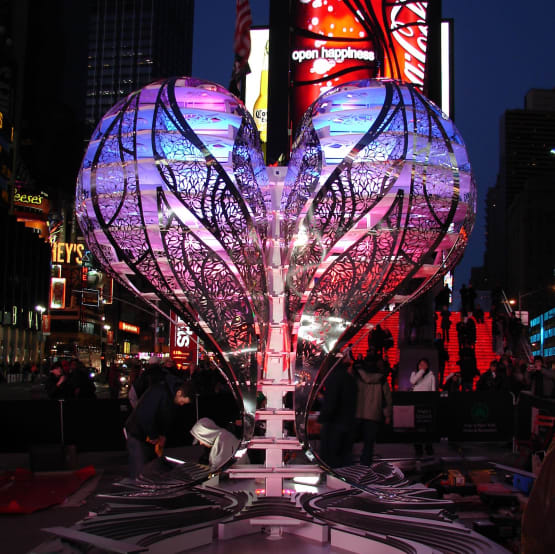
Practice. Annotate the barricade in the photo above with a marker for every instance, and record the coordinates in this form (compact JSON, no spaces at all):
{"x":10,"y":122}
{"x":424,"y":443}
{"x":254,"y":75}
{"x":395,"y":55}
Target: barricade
{"x":460,"y":416}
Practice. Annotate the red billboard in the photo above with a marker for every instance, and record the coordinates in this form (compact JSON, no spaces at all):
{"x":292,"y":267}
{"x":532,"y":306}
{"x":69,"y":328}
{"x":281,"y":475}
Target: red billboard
{"x":183,"y":343}
{"x":336,"y":41}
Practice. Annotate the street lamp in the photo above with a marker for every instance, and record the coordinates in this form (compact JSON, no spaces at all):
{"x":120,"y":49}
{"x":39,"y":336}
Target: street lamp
{"x":522,"y":295}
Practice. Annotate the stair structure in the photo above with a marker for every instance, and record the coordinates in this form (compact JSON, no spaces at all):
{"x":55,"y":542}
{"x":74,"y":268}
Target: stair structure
{"x":484,"y":344}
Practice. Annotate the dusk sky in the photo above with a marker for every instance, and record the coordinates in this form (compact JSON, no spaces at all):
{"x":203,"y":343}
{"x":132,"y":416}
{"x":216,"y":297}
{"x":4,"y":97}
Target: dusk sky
{"x":503,"y":48}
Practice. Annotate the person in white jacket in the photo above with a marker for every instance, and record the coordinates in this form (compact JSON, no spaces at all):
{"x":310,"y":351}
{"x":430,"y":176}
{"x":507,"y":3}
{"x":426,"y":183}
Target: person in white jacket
{"x":221,"y":442}
{"x":423,"y":379}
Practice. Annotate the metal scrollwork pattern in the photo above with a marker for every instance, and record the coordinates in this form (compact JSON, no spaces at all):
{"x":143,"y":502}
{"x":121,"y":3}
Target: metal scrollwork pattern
{"x":174,"y":200}
{"x":169,"y":200}
{"x":397,"y":186}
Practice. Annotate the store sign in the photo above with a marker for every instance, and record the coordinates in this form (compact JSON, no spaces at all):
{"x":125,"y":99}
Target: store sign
{"x":129,"y":328}
{"x":45,"y":324}
{"x":67,"y":253}
{"x":183,"y":342}
{"x":33,"y":200}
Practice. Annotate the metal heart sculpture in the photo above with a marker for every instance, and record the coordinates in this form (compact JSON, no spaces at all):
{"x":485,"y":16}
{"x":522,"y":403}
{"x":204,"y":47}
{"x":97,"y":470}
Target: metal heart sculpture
{"x":174,"y":200}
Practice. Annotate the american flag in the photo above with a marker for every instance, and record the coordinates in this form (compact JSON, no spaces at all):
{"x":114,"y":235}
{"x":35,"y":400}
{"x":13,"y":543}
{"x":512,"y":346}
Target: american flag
{"x":241,"y":45}
{"x":242,"y":39}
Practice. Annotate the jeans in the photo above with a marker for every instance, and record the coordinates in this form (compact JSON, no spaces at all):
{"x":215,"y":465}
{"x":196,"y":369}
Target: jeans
{"x":369,"y":431}
{"x":336,"y":444}
{"x":140,"y":453}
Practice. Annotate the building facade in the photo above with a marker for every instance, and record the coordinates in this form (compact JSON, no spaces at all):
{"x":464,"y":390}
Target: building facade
{"x":520,"y":208}
{"x":130,"y":44}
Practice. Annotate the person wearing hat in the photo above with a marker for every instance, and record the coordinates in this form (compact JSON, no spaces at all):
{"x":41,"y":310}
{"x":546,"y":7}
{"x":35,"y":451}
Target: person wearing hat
{"x":221,"y":442}
{"x":147,"y":426}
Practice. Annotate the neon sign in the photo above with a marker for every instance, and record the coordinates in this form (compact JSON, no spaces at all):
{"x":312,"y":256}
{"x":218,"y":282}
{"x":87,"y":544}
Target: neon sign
{"x":128,"y":328}
{"x":67,"y":253}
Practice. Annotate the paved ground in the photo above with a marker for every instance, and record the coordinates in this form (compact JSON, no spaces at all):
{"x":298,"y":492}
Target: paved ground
{"x":23,"y":533}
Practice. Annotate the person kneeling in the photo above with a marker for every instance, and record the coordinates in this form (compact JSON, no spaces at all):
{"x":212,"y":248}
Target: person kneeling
{"x":221,"y":442}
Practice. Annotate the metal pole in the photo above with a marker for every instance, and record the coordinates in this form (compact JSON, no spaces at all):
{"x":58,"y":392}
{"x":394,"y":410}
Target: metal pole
{"x":62,"y":421}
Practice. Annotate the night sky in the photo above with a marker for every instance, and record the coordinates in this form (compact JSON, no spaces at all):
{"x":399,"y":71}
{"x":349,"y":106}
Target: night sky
{"x":503,"y":48}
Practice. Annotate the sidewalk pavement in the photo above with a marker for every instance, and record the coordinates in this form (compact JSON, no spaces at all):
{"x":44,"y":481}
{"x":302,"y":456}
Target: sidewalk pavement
{"x":23,"y":533}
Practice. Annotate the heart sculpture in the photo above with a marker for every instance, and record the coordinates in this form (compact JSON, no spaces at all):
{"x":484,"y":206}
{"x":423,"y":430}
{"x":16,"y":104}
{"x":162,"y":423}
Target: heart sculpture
{"x":175,"y":201}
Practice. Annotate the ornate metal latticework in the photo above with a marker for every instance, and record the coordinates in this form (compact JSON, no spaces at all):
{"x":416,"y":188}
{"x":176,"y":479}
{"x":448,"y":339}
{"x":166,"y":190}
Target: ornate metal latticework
{"x":169,"y":201}
{"x":392,"y":194}
{"x":377,"y":205}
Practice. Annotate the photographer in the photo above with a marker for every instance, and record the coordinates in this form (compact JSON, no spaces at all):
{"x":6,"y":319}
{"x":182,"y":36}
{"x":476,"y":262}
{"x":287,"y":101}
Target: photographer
{"x":539,"y":379}
{"x":423,"y":379}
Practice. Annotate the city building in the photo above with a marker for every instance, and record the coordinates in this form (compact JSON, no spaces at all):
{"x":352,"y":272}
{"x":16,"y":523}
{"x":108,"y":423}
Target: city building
{"x":520,"y":208}
{"x":24,"y":274}
{"x":542,"y":336}
{"x":132,"y":43}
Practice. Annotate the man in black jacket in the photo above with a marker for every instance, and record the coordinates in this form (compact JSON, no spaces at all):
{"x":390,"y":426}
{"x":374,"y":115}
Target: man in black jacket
{"x":337,"y":415}
{"x":147,"y":426}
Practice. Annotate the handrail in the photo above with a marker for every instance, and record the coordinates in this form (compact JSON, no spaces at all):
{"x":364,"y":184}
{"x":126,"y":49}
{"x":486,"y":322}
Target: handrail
{"x":524,"y":342}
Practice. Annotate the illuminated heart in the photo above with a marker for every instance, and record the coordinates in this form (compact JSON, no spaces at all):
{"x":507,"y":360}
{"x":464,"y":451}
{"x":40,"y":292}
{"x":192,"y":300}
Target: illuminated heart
{"x":174,"y":200}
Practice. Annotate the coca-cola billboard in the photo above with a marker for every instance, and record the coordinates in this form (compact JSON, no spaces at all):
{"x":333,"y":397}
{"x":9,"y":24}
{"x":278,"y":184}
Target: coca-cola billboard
{"x":336,"y":41}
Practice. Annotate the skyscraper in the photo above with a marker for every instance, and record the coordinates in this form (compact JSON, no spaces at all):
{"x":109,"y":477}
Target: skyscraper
{"x":134,"y":42}
{"x":520,"y":208}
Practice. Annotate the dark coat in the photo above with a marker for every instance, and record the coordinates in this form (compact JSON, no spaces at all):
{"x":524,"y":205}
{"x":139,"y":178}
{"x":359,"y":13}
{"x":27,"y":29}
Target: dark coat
{"x":153,"y":414}
{"x":340,"y":397}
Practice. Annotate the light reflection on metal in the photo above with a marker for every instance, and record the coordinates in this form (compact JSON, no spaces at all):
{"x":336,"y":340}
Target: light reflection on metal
{"x":174,"y":200}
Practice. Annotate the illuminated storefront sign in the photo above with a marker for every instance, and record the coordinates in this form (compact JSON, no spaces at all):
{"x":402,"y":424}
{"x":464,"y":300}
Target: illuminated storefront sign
{"x":128,"y":328}
{"x":335,"y":42}
{"x":67,"y":253}
{"x":183,"y":343}
{"x":57,"y":293}
{"x":45,"y":324}
{"x":23,"y":199}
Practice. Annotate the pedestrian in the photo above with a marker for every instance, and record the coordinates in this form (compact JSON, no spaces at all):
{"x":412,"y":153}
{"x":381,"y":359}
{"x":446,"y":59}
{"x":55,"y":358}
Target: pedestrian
{"x":58,"y":386}
{"x":445,"y":323}
{"x":539,"y":379}
{"x":114,"y":382}
{"x":442,"y":358}
{"x":221,"y":442}
{"x":337,"y":415}
{"x":153,"y":373}
{"x":374,"y":405}
{"x":469,"y":369}
{"x":495,"y":378}
{"x":147,"y":426}
{"x":423,"y":379}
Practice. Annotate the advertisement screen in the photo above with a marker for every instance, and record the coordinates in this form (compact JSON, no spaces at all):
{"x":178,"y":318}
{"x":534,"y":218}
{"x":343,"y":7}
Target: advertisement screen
{"x":183,"y":343}
{"x":259,"y":39}
{"x":57,"y":293}
{"x":337,"y":41}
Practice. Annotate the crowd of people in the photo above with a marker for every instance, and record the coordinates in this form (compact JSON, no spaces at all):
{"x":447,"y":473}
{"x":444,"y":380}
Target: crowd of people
{"x":511,"y":371}
{"x":355,"y":401}
{"x":17,"y":372}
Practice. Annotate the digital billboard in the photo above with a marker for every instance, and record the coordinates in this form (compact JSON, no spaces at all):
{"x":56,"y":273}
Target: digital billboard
{"x":57,"y":293}
{"x":336,"y":41}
